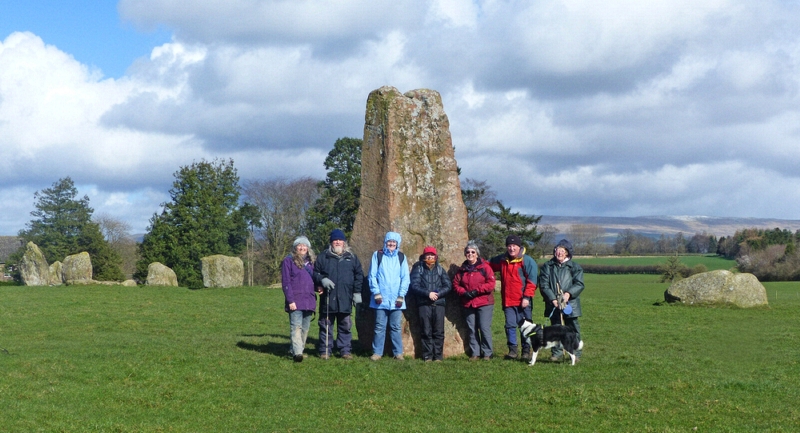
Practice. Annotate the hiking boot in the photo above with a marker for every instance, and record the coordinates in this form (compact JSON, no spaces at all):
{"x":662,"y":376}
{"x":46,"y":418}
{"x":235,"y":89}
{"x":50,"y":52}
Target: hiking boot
{"x":526,"y":354}
{"x":512,"y":352}
{"x":324,"y":356}
{"x":298,"y":358}
{"x":399,"y":357}
{"x":487,"y":358}
{"x":375,"y":357}
{"x":555,"y":358}
{"x":347,"y":356}
{"x":473,"y":358}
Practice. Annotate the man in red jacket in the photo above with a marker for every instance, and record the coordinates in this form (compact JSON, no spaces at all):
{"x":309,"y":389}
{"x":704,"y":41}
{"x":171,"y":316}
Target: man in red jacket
{"x":517,"y":286}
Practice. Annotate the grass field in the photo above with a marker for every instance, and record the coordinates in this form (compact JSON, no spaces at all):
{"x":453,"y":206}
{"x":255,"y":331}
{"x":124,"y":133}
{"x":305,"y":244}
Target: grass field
{"x":114,"y":359}
{"x":711,"y":262}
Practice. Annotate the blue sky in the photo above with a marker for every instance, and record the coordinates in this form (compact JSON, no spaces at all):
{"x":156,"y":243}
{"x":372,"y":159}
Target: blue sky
{"x":90,"y":31}
{"x":565,"y":107}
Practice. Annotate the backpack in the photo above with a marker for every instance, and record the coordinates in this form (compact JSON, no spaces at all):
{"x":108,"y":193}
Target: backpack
{"x":400,"y":255}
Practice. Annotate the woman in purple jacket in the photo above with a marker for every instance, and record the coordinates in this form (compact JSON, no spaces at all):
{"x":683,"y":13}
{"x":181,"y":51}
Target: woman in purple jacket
{"x":298,"y":288}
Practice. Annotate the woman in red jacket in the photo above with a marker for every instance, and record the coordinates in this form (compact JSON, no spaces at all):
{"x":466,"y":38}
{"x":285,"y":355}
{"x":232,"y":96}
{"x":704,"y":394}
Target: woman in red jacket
{"x":474,"y":282}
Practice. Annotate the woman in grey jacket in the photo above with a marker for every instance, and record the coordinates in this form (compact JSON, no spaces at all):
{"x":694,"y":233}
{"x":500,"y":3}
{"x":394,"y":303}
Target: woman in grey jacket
{"x":562,"y":276}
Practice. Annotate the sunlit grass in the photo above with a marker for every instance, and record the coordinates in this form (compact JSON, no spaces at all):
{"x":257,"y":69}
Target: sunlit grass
{"x":170,"y":359}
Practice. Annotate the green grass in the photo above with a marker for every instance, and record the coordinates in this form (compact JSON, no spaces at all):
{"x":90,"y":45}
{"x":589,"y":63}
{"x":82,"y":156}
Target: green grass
{"x":711,"y":262}
{"x":114,"y":359}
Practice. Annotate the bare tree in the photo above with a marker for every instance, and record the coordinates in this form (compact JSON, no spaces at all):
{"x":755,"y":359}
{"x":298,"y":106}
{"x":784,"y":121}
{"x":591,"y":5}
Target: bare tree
{"x":118,"y":235}
{"x":547,"y":242}
{"x":479,"y":199}
{"x":282,"y":205}
{"x":586,"y":238}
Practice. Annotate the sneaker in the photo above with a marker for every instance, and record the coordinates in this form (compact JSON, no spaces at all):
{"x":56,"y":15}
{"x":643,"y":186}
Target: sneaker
{"x":298,"y":358}
{"x":399,"y":357}
{"x":512,"y":352}
{"x":487,"y":358}
{"x":347,"y":356}
{"x":375,"y":357}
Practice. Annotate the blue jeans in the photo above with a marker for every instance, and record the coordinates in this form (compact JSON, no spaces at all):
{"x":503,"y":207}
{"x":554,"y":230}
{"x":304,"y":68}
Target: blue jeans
{"x":515,"y":315}
{"x":299,"y":322}
{"x":483,"y":317}
{"x":378,"y":342}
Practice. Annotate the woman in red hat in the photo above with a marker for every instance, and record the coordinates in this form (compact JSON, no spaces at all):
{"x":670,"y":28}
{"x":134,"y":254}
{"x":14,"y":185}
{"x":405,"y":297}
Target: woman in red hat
{"x":430,"y":284}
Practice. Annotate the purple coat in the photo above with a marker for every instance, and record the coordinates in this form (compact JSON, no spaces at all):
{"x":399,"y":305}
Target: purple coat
{"x":298,"y":286}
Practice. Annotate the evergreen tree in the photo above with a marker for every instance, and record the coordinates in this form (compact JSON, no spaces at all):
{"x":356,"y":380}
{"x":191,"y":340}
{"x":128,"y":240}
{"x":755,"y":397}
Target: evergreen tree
{"x":508,"y":223}
{"x":63,"y":226}
{"x":202,"y":219}
{"x":340,"y":192}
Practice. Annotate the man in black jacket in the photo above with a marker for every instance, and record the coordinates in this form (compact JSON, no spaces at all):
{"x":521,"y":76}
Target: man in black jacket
{"x":339,"y":278}
{"x":430,"y":284}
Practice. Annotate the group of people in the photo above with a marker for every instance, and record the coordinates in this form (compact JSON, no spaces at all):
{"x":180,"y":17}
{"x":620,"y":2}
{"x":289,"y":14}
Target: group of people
{"x":337,"y":277}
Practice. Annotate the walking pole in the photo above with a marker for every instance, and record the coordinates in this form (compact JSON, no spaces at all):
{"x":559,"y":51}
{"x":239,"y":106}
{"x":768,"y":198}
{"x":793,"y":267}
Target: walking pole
{"x":328,"y":322}
{"x":560,"y":302}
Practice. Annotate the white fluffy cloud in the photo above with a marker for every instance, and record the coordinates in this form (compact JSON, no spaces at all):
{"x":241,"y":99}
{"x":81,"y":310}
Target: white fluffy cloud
{"x":566,"y":107}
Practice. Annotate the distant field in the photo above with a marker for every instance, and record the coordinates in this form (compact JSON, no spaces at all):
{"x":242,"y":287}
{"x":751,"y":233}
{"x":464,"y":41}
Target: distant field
{"x":712,"y":262}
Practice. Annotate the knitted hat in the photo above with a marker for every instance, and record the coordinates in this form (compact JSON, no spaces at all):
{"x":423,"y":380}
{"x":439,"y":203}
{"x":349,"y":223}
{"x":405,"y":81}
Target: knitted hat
{"x":515,"y":240}
{"x":301,"y":240}
{"x":337,"y":235}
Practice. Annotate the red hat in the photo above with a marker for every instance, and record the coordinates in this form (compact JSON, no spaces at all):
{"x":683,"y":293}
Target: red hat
{"x":430,"y":250}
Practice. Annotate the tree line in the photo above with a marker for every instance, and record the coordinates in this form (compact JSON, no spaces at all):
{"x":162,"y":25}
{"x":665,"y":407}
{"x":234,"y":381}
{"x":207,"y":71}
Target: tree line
{"x":209,"y":212}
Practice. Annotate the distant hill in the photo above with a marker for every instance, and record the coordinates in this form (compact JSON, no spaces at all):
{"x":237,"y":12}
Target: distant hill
{"x":655,"y":226}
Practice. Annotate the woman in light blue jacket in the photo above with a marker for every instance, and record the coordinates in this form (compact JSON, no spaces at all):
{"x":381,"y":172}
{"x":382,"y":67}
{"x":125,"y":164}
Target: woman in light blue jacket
{"x":388,"y":283}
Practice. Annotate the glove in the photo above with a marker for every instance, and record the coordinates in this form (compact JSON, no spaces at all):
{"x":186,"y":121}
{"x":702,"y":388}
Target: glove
{"x":398,"y":303}
{"x":472,"y":294}
{"x":378,"y":299}
{"x":328,"y":284}
{"x":356,"y":298}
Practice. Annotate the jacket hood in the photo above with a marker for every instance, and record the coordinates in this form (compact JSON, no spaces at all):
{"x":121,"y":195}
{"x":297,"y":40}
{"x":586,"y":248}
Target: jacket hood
{"x":567,"y":245}
{"x":391,"y":236}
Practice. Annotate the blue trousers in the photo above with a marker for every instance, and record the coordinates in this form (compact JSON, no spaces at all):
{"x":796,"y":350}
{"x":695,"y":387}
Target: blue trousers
{"x":395,"y":331}
{"x":515,"y":315}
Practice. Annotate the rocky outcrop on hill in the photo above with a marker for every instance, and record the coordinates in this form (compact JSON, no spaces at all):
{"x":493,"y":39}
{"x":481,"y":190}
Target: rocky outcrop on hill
{"x":77,"y":269}
{"x":222,"y":271}
{"x":33,"y":268}
{"x":720,"y":288}
{"x":410,"y":185}
{"x":160,"y":275}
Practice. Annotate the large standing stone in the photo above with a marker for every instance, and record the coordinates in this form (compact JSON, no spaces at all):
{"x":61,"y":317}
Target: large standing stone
{"x":161,"y":275}
{"x":34,"y":269}
{"x":410,"y":185}
{"x":222,"y":271}
{"x":56,"y":273}
{"x":718,"y":287}
{"x":77,"y":269}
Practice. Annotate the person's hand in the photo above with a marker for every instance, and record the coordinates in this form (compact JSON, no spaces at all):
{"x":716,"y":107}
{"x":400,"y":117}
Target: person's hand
{"x":378,"y":299}
{"x":356,"y":298}
{"x":472,"y":294}
{"x":566,"y":296}
{"x":292,"y":306}
{"x":398,"y":303}
{"x":525,"y":302}
{"x":433,"y":296}
{"x":555,"y":303}
{"x":328,"y":284}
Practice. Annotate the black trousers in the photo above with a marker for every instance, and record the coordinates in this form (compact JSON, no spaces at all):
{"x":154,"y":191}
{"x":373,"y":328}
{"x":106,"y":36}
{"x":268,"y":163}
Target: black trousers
{"x":431,"y":318}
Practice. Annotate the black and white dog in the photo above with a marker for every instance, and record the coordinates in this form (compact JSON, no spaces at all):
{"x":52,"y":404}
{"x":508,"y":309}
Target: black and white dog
{"x":548,"y":336}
